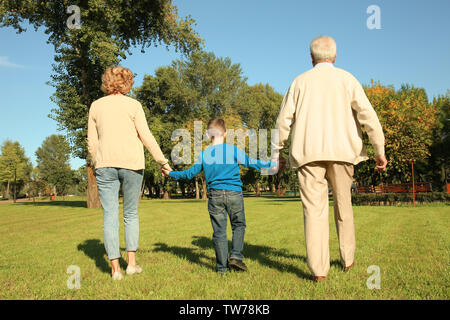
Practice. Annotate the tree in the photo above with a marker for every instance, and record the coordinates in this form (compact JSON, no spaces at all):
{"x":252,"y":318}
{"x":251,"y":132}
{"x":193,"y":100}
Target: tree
{"x":110,"y":28}
{"x":408,"y":122}
{"x":80,"y":180}
{"x":36,"y":186}
{"x":439,"y":162}
{"x":258,"y":107}
{"x":53,"y":159}
{"x":15,"y":167}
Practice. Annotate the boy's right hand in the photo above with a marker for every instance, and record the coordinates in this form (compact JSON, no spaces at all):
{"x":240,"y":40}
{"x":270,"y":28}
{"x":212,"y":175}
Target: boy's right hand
{"x":281,"y":164}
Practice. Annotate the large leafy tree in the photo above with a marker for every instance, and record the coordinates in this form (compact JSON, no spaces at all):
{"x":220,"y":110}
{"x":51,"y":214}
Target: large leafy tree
{"x":109,"y":30}
{"x":15,"y":167}
{"x":408,"y":122}
{"x":36,"y":186}
{"x":201,"y":86}
{"x":53,"y":159}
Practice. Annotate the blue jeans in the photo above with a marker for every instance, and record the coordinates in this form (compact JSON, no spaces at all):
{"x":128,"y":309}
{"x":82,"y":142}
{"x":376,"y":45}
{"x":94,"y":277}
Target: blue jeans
{"x":108,"y":182}
{"x":221,"y":203}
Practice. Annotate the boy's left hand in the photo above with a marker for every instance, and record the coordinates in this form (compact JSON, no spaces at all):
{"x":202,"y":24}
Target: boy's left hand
{"x":281,"y":164}
{"x":166,"y":171}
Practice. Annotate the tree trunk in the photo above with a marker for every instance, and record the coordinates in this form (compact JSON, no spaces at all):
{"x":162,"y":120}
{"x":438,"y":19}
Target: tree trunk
{"x":158,"y":192}
{"x":413,"y":186}
{"x":166,"y":195}
{"x":93,"y":198}
{"x":197,"y":191}
{"x":7,"y":190}
{"x":183,"y":189}
{"x":281,"y":191}
{"x":274,"y":189}
{"x":15,"y":186}
{"x":258,"y":189}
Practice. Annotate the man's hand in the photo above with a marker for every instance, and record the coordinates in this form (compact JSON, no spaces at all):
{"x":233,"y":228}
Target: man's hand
{"x":381,"y":163}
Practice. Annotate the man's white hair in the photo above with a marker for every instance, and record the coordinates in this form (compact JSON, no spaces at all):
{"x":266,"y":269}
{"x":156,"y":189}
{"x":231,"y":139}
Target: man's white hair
{"x":323,"y":48}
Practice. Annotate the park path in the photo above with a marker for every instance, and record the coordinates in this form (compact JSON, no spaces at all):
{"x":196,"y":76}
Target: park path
{"x":18,"y":200}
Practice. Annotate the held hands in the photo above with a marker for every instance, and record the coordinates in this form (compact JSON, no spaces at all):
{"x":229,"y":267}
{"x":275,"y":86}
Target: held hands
{"x":280,"y":167}
{"x":381,"y":163}
{"x":165,"y":170}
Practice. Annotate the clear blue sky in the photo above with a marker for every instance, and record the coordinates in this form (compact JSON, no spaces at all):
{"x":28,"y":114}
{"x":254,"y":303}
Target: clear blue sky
{"x":270,"y":39}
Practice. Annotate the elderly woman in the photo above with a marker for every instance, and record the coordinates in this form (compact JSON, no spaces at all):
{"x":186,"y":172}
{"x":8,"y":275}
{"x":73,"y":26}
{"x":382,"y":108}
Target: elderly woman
{"x":117,"y":129}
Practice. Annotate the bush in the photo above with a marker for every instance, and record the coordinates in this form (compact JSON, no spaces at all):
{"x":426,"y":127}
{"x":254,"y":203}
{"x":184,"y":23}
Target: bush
{"x":398,"y":198}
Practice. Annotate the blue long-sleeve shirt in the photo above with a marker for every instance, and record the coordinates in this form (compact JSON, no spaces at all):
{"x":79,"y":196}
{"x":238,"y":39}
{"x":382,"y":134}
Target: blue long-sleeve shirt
{"x":220,"y":164}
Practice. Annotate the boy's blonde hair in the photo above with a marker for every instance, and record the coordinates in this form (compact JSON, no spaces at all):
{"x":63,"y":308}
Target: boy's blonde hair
{"x":218,"y":124}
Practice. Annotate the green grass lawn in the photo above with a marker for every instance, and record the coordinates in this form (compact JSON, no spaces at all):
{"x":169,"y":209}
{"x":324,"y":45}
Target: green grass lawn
{"x":38,"y":242}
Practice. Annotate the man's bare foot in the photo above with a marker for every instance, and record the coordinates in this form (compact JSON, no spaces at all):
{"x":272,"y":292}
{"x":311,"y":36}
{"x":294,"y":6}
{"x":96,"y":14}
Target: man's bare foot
{"x":349,"y":267}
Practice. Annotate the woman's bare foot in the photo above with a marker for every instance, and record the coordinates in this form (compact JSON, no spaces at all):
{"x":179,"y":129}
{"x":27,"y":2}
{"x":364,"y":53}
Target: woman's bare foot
{"x":133,"y":269}
{"x":115,"y":267}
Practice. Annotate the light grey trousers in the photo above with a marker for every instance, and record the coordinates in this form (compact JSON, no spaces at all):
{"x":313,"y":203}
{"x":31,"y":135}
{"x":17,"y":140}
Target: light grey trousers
{"x":314,"y":195}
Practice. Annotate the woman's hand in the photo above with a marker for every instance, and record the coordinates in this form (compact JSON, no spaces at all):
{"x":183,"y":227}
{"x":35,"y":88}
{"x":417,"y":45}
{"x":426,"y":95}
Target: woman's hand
{"x":166,"y":170}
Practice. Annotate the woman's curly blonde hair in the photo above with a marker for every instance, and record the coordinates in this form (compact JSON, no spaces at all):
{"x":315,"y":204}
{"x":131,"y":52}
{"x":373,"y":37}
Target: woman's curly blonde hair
{"x":117,"y":80}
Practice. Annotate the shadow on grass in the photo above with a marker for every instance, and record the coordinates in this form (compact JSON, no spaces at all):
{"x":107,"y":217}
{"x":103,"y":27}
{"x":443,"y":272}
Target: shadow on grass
{"x":68,"y":203}
{"x":178,"y":201}
{"x":191,"y":254}
{"x":95,"y":249}
{"x":264,"y":255}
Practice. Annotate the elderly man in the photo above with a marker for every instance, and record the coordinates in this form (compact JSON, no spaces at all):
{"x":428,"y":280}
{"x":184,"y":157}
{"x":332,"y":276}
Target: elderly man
{"x":323,"y":110}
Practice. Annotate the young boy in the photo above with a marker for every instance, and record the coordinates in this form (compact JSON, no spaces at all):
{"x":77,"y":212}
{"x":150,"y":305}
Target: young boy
{"x":220,"y":163}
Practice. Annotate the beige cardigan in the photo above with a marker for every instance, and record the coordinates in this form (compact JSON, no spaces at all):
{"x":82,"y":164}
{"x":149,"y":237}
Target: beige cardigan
{"x":117,"y":128}
{"x":323,"y":110}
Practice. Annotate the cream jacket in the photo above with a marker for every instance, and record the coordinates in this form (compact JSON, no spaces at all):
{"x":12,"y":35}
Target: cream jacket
{"x":117,"y":131}
{"x":323,"y":111}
